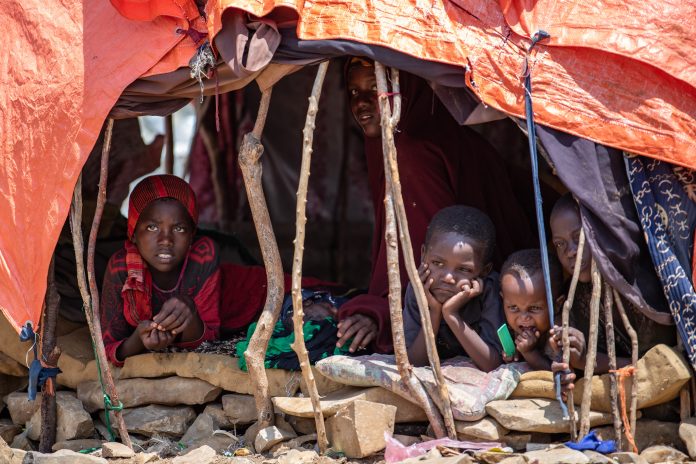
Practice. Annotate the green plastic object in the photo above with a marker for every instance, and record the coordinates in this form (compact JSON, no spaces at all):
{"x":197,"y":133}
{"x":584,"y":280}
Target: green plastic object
{"x":506,"y":340}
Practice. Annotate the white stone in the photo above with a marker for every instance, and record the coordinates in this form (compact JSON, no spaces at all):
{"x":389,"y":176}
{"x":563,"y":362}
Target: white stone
{"x":240,"y":409}
{"x":151,"y":420}
{"x":116,"y":450}
{"x":62,"y":457}
{"x":687,"y":432}
{"x":658,"y":453}
{"x":202,"y":455}
{"x":271,"y":436}
{"x":537,"y":415}
{"x":556,"y":455}
{"x":21,"y":409}
{"x":72,"y":421}
{"x":296,"y":456}
{"x":484,"y":429}
{"x":358,"y":429}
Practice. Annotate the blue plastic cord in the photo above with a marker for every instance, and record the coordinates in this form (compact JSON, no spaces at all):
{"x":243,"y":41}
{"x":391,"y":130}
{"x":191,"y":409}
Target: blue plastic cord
{"x":531,"y":135}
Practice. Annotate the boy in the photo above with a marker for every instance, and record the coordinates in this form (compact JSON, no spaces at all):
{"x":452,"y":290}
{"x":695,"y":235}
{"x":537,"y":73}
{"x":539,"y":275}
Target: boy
{"x":163,"y":287}
{"x":524,"y":302}
{"x":461,"y":290}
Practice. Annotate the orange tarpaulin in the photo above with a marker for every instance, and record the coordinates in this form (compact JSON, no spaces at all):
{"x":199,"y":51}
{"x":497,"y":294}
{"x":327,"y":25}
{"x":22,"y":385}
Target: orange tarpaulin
{"x":622,"y":73}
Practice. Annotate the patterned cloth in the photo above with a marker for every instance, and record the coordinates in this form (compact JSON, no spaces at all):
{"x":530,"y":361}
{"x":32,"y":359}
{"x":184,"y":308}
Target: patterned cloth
{"x":665,"y":198}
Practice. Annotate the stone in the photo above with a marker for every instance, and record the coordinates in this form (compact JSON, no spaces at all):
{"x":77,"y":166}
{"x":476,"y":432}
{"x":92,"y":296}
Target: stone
{"x":491,"y":457}
{"x":6,"y":453}
{"x":62,"y":457}
{"x":659,"y":453}
{"x":537,"y":415}
{"x":240,"y":409}
{"x":202,"y":427}
{"x":302,"y":407}
{"x":271,"y":436}
{"x":217,"y":369}
{"x":250,"y":435}
{"x":484,"y":429}
{"x":11,"y":346}
{"x":517,"y":440}
{"x":296,"y":456}
{"x":358,"y":428}
{"x":687,"y":432}
{"x":627,"y":458}
{"x":220,"y":441}
{"x":77,"y":359}
{"x":535,"y":384}
{"x":172,"y":421}
{"x":172,"y":391}
{"x":300,"y":441}
{"x":648,"y":433}
{"x":556,"y":455}
{"x":219,"y":417}
{"x":597,"y":458}
{"x":72,"y":421}
{"x":22,"y":442}
{"x":8,"y":430}
{"x":10,"y":384}
{"x":116,"y":450}
{"x":20,"y":408}
{"x":302,"y":425}
{"x":202,"y":455}
{"x":660,"y":375}
{"x":11,"y":367}
{"x":324,"y":384}
{"x":143,"y":458}
{"x":77,"y":445}
{"x":517,"y":459}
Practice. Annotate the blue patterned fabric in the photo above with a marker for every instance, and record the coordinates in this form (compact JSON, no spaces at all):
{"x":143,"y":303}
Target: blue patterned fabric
{"x":665,"y":199}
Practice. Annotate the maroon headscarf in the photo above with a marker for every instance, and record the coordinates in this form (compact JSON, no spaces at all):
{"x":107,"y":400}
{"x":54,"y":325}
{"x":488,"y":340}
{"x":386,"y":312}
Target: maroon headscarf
{"x":137,"y":290}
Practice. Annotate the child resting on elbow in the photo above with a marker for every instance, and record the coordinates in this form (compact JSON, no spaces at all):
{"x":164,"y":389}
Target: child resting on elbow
{"x":461,"y":290}
{"x":163,"y":288}
{"x":526,"y":311}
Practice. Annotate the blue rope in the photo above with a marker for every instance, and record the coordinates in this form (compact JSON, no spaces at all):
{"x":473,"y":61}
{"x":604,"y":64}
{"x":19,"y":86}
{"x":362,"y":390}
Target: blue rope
{"x":37,"y":373}
{"x":531,"y":133}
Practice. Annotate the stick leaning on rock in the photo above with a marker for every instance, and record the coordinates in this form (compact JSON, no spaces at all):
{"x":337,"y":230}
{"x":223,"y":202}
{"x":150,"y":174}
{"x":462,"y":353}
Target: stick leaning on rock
{"x":591,"y":356}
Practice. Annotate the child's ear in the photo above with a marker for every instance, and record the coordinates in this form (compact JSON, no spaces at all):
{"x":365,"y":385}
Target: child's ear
{"x":487,"y":270}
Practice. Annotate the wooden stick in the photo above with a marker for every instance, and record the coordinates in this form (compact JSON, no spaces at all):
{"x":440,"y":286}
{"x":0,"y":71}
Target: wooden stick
{"x":591,"y":356}
{"x":168,"y":144}
{"x":395,"y":308}
{"x":49,"y":356}
{"x":565,"y":318}
{"x":250,"y":164}
{"x":391,"y":170}
{"x":87,"y":285}
{"x":300,"y":221}
{"x":611,"y":352}
{"x":634,"y":357}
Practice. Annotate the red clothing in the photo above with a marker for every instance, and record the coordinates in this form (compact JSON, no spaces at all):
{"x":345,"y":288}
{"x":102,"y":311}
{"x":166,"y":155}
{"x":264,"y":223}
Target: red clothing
{"x":199,"y":280}
{"x":440,"y":164}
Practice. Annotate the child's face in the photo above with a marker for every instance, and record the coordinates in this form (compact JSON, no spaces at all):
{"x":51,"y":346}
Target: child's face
{"x":319,"y":311}
{"x":524,"y":301}
{"x":565,"y":230}
{"x":362,"y":90}
{"x":163,"y":236}
{"x":452,"y":258}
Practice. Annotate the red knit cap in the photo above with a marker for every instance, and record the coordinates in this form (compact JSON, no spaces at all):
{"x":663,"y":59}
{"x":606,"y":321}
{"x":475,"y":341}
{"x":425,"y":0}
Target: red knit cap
{"x":156,"y":187}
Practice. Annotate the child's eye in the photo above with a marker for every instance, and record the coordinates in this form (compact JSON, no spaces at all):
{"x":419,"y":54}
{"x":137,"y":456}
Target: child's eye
{"x":535,"y":309}
{"x":513,"y":309}
{"x":179,"y":229}
{"x":558,"y":244}
{"x":437,"y":263}
{"x":151,"y":227}
{"x":353,"y":92}
{"x":464,"y":270}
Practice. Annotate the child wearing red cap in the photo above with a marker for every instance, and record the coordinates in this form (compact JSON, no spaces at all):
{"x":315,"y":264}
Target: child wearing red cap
{"x":163,"y":288}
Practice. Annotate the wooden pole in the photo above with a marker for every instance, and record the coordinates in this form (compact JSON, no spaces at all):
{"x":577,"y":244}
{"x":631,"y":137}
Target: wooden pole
{"x":395,"y":308}
{"x":591,"y":355}
{"x":49,"y":357}
{"x":634,"y":357}
{"x":250,"y":164}
{"x":391,"y":168}
{"x":169,"y":144}
{"x":611,"y":352}
{"x":300,"y":221}
{"x":567,"y":304}
{"x":88,"y":285}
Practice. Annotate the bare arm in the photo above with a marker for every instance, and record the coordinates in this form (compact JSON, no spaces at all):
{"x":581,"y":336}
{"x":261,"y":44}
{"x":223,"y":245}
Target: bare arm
{"x":485,"y":357}
{"x":417,"y":351}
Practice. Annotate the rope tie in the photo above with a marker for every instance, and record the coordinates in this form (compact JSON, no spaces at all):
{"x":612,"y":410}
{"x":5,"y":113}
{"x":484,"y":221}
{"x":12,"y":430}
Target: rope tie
{"x":40,"y":374}
{"x":622,"y":374}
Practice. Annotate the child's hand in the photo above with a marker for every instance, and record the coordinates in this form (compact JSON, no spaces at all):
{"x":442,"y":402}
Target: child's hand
{"x":152,"y":338}
{"x":567,"y":377}
{"x":175,"y":316}
{"x":362,"y":329}
{"x":424,"y":274}
{"x":576,"y":340}
{"x":508,"y":359}
{"x":527,"y":341}
{"x":468,"y":289}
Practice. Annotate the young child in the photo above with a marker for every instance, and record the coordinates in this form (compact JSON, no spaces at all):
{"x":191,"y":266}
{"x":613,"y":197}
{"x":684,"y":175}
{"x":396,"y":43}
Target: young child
{"x":524,"y":302}
{"x":163,"y":288}
{"x":461,"y":289}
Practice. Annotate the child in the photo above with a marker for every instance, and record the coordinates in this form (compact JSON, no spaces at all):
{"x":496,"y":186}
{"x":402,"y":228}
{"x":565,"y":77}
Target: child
{"x":163,"y":288}
{"x":524,"y":301}
{"x":462,"y":292}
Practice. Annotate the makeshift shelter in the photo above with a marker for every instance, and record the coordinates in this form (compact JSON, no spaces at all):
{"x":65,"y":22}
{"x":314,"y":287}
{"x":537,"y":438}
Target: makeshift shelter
{"x":80,"y":63}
